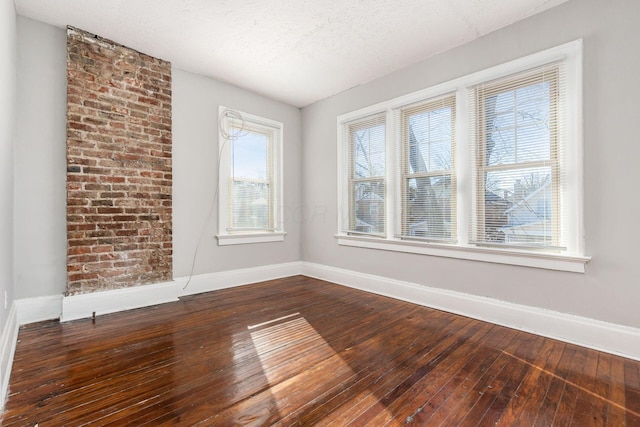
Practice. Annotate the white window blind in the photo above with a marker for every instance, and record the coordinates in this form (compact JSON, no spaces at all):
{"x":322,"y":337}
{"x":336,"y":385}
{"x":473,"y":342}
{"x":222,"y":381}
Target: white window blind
{"x":251,"y":178}
{"x":518,"y":142}
{"x":365,"y":168}
{"x":427,"y":165}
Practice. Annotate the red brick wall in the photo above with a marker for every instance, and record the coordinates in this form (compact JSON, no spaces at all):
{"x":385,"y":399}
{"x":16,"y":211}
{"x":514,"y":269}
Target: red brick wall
{"x":118,"y":166}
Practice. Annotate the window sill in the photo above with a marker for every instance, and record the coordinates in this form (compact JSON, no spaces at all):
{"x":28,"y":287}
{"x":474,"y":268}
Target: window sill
{"x":241,"y":239}
{"x":575,"y":264}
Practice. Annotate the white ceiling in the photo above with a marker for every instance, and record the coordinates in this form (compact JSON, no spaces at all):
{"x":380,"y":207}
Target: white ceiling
{"x":296,"y":51}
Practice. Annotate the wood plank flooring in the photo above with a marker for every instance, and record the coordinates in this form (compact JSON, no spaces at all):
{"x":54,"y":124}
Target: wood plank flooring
{"x":300,"y":351}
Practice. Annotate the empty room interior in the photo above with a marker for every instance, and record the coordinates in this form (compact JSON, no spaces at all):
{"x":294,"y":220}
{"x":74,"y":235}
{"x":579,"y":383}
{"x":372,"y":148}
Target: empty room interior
{"x":336,"y":212}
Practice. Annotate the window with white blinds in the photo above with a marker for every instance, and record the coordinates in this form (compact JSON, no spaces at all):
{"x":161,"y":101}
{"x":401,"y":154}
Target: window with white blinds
{"x":366,"y":170}
{"x":427,"y":165}
{"x":517,"y":144}
{"x":250,"y":178}
{"x":486,"y":167}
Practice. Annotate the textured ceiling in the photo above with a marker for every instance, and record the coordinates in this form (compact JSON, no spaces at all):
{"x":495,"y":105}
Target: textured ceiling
{"x":296,"y":51}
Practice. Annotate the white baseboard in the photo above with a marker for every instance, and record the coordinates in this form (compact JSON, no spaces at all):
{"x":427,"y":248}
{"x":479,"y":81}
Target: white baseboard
{"x":228,"y":279}
{"x":8,"y":342}
{"x":85,"y":305}
{"x":104,"y":302}
{"x":598,"y":335}
{"x":616,"y":339}
{"x":38,"y":309}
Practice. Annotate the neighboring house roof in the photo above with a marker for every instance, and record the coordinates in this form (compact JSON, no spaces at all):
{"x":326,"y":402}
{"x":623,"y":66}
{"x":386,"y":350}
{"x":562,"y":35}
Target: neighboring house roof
{"x":370,"y":195}
{"x":361,"y":223}
{"x":418,"y":225}
{"x":490,"y":196}
{"x":529,"y":196}
{"x":261,"y":201}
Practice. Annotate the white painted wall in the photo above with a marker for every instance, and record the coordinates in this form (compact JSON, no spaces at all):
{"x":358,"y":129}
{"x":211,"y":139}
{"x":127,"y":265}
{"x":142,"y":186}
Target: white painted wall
{"x":40,"y":158}
{"x":40,"y":230}
{"x":7,"y":128}
{"x":610,"y":289}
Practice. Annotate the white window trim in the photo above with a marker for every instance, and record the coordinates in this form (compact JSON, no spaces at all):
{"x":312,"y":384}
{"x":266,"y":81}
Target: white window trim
{"x":240,"y":239}
{"x":572,"y":260}
{"x":224,"y":151}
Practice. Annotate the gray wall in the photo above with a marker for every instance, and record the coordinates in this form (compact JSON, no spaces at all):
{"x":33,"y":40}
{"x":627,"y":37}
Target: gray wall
{"x":610,"y":289}
{"x":40,"y":230}
{"x":40,"y":159}
{"x":195,"y":161}
{"x":7,"y":120}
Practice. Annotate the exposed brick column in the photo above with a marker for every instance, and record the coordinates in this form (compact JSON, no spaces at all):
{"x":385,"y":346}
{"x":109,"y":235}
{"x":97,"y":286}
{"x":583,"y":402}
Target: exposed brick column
{"x":118,"y":166}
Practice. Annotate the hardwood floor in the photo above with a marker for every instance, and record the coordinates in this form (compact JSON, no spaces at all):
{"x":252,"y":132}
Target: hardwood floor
{"x":300,"y":351}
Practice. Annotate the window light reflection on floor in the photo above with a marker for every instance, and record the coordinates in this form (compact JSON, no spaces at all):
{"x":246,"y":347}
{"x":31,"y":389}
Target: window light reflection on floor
{"x":291,"y":353}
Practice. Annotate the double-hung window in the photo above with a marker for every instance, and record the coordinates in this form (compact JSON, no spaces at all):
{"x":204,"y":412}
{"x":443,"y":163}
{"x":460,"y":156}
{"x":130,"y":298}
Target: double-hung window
{"x":427,"y":170}
{"x":365,"y":202}
{"x":487,"y":167}
{"x":250,"y":177}
{"x":518,"y":144}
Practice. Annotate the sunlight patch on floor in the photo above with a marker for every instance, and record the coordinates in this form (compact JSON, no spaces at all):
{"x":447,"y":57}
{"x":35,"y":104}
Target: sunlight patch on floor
{"x":290,"y":351}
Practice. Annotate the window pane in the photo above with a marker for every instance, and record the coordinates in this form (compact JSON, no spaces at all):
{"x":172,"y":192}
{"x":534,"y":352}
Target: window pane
{"x":533,"y":143}
{"x":430,"y":138}
{"x":533,"y":103}
{"x":250,"y":154}
{"x":250,"y":205}
{"x":501,"y":148}
{"x":369,"y":151}
{"x":518,"y":206}
{"x":428,"y":207}
{"x":369,"y":207}
{"x":517,"y":125}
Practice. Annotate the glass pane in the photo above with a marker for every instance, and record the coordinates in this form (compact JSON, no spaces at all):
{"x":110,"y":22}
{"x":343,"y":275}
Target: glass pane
{"x":369,"y":151}
{"x":369,"y":207}
{"x":430,"y":139}
{"x":533,"y":142}
{"x":427,"y":210}
{"x":518,"y":206}
{"x":250,"y":155}
{"x":250,"y":205}
{"x":533,"y":103}
{"x":518,"y":125}
{"x":501,"y":149}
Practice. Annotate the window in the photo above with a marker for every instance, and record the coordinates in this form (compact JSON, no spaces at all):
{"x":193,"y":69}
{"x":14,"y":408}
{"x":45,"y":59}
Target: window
{"x":518,"y":145}
{"x":428,"y":180}
{"x":487,"y":167}
{"x":365,"y":213}
{"x":250,"y":179}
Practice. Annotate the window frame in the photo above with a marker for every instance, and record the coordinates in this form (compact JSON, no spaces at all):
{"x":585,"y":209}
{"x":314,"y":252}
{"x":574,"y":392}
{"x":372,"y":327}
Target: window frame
{"x":353,"y":209}
{"x":516,"y":82}
{"x":572,"y":259}
{"x":275,"y":233}
{"x":403,"y":114}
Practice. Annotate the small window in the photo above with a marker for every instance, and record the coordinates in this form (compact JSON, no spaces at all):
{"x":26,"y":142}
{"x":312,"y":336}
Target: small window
{"x":250,"y":179}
